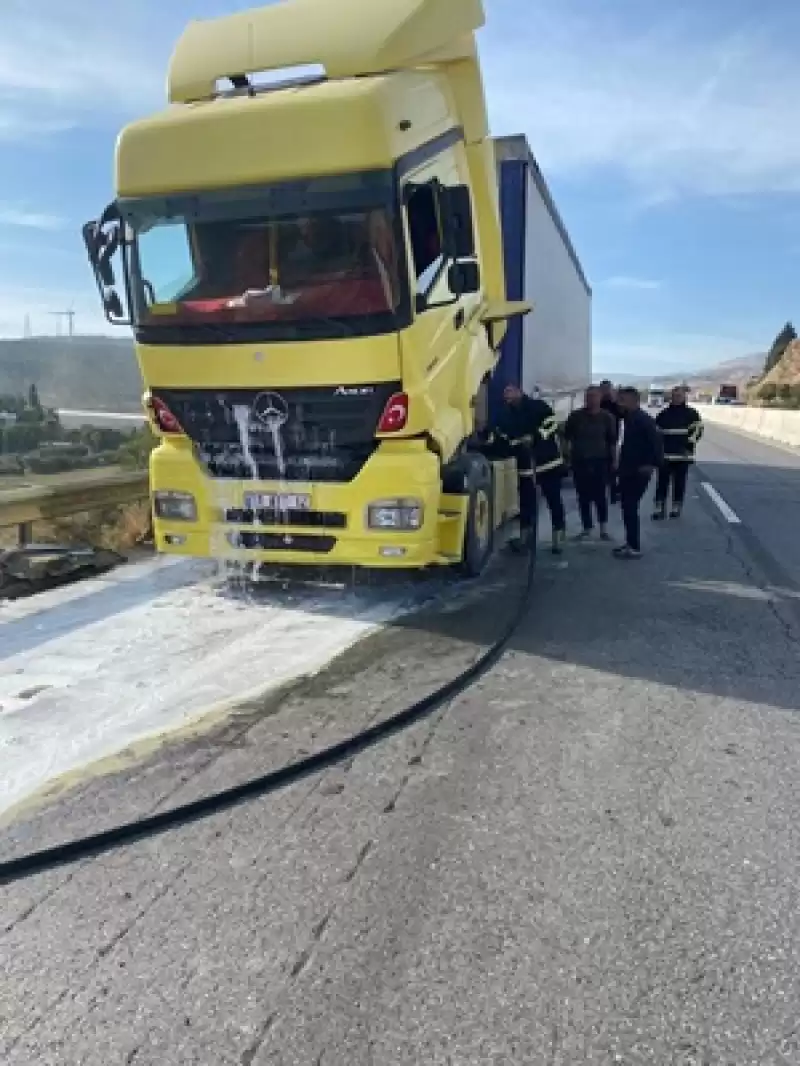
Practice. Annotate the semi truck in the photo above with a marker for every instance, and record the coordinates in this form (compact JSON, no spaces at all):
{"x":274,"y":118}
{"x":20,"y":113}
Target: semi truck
{"x":326,"y":272}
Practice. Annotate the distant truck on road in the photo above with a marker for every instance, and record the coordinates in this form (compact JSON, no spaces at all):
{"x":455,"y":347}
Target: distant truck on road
{"x":727,"y":394}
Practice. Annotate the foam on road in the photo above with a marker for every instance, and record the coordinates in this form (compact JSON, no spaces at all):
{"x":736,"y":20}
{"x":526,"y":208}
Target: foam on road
{"x":88,"y":669}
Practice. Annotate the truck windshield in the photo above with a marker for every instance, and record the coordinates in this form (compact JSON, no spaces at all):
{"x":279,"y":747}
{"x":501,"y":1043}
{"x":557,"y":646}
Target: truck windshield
{"x":262,"y":273}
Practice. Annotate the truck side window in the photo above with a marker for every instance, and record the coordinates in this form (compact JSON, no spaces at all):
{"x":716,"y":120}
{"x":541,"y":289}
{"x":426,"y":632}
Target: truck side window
{"x":426,"y":235}
{"x":166,"y":260}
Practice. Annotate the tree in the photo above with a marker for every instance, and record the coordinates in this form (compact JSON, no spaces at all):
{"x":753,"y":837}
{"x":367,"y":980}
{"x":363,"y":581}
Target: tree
{"x":135,"y":453}
{"x":33,"y":398}
{"x":768,"y":392}
{"x":786,"y":336}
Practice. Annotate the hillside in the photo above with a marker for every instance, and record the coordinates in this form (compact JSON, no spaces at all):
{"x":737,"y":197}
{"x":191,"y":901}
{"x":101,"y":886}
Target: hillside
{"x":732,"y":371}
{"x":89,"y":373}
{"x":787,"y":371}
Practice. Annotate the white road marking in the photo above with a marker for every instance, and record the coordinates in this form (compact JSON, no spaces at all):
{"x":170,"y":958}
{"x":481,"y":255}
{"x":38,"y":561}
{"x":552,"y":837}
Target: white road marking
{"x":724,"y":508}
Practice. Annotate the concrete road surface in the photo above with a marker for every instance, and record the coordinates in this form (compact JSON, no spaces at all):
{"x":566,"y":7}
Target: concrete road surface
{"x":591,"y":857}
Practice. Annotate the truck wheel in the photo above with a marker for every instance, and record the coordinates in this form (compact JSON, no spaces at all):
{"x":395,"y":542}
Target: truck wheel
{"x":479,"y":533}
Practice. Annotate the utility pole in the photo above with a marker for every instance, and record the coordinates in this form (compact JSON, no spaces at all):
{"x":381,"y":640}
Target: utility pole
{"x":69,"y":314}
{"x":27,"y":327}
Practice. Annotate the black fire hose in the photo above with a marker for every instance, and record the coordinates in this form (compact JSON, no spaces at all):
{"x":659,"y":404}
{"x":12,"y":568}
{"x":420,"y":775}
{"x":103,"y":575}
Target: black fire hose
{"x":110,"y":839}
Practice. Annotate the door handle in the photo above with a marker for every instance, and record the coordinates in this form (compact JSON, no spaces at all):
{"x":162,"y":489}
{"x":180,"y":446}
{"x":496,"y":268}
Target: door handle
{"x":458,"y":319}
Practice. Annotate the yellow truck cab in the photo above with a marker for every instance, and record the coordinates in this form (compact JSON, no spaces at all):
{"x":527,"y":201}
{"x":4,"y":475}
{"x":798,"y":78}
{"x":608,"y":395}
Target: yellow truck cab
{"x":312,"y":266}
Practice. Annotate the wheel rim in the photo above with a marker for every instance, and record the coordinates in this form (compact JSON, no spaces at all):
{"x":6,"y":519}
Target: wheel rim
{"x":482,"y":522}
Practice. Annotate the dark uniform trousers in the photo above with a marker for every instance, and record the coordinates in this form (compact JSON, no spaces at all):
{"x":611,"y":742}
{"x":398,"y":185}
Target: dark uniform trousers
{"x":673,"y":473}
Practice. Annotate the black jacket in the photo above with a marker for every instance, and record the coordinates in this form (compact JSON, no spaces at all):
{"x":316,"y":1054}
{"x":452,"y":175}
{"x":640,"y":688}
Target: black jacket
{"x":530,"y":427}
{"x":641,"y":443}
{"x":681,"y":427}
{"x":613,"y":409}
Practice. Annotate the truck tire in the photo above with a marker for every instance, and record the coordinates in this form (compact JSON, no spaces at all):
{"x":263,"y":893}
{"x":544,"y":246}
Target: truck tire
{"x":479,"y":532}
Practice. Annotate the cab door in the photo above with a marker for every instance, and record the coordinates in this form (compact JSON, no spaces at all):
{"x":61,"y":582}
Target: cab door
{"x":439,"y":350}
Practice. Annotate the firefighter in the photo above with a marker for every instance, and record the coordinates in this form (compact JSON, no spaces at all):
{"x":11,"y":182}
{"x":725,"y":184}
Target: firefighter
{"x":681,"y":427}
{"x":527,"y":429}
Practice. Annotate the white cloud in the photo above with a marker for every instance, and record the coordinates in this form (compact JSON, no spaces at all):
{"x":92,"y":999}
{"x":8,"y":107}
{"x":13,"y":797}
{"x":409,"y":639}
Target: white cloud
{"x":63,"y":64}
{"x":16,"y":215}
{"x":670,"y":109}
{"x":620,"y":281}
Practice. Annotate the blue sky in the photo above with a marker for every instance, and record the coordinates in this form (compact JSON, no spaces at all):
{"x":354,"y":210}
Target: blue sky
{"x":667,"y":133}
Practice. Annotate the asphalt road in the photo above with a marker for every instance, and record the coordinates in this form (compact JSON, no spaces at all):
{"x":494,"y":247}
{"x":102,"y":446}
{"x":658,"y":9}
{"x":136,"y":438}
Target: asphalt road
{"x":591,"y":857}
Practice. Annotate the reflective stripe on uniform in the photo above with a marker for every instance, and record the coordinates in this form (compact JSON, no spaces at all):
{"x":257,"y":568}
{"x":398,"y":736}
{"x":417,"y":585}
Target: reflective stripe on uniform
{"x":548,"y":427}
{"x":549,"y":466}
{"x":675,"y":432}
{"x":526,"y":473}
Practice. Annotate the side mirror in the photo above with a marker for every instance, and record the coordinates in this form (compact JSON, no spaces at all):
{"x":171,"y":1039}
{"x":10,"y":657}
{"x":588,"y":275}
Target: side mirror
{"x":103,"y":239}
{"x":464,"y":278}
{"x":456,"y":206}
{"x":112,"y":306}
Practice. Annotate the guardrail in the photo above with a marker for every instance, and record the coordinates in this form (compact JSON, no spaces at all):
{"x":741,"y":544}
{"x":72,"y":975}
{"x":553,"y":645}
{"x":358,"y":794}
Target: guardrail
{"x":23,"y":506}
{"x":767,"y":422}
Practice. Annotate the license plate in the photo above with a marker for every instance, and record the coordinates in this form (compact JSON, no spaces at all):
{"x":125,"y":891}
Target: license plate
{"x":278,"y":501}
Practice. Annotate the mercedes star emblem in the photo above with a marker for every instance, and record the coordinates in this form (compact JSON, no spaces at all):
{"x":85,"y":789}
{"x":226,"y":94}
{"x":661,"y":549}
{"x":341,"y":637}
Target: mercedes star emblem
{"x":270,"y":410}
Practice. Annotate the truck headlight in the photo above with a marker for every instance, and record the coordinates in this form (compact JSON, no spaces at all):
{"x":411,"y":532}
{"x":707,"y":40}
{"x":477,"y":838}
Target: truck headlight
{"x":400,"y":514}
{"x":175,"y":506}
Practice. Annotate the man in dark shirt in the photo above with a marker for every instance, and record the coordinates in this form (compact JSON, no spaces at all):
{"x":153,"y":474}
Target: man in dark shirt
{"x":640,"y":455}
{"x":591,"y":434}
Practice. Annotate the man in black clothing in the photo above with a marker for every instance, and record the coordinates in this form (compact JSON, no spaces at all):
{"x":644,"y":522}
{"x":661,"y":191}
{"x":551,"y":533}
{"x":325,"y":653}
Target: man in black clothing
{"x":591,"y":434}
{"x":640,"y":454}
{"x":610,"y":403}
{"x":527,"y":429}
{"x":681,"y":427}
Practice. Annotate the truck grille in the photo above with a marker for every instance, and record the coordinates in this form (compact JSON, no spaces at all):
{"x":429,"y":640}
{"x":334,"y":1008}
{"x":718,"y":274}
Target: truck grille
{"x":310,"y":434}
{"x":307,"y":519}
{"x":294,"y":542}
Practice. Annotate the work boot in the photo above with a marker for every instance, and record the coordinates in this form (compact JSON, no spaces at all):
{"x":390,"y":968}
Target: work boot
{"x":660,"y":512}
{"x":676,"y":510}
{"x":584,"y":535}
{"x":604,"y":534}
{"x":559,"y":536}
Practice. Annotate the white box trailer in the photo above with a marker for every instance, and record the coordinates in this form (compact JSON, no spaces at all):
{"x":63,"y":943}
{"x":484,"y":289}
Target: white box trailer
{"x":550,"y":349}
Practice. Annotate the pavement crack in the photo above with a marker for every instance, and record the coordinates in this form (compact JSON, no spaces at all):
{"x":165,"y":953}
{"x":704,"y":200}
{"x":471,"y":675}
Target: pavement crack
{"x":248,"y":1055}
{"x":362,"y":855}
{"x":303,"y":959}
{"x":771,"y":596}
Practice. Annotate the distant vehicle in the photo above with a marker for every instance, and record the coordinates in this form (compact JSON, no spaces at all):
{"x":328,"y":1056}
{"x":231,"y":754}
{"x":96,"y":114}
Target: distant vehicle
{"x":656,"y":396}
{"x":727,"y":394}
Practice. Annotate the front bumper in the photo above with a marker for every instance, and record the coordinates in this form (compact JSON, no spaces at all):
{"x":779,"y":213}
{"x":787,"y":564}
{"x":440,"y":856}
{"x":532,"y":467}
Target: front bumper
{"x":333,"y":533}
